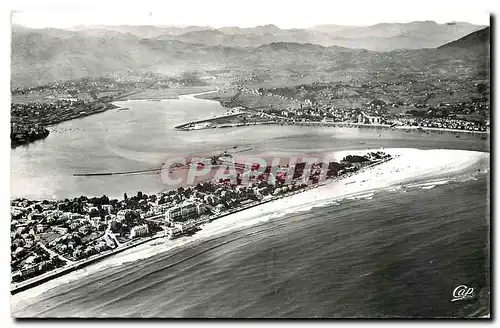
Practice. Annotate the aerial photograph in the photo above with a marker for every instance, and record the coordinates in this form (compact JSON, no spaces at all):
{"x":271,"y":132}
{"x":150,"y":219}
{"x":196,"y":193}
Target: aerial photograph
{"x":252,"y":160}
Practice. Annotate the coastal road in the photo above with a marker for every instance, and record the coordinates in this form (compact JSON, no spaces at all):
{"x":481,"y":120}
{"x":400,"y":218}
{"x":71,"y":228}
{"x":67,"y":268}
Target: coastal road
{"x":52,"y":253}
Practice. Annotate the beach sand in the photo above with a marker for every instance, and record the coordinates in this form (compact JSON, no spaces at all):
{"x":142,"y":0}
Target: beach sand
{"x":407,"y":165}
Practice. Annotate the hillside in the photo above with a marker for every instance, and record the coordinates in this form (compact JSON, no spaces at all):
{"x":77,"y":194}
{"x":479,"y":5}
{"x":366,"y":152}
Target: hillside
{"x":47,"y":55}
{"x":479,"y":38}
{"x":379,"y":37}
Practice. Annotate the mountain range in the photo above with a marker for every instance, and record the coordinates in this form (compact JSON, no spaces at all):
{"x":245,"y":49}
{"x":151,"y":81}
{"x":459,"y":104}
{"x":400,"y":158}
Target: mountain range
{"x":379,"y":37}
{"x":45,"y":55}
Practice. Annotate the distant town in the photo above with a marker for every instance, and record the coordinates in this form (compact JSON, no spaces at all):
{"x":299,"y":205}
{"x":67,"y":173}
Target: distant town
{"x":33,"y":109}
{"x":319,"y":103}
{"x":426,"y":102}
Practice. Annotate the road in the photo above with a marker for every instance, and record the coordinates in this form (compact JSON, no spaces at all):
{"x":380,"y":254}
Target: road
{"x":52,"y":253}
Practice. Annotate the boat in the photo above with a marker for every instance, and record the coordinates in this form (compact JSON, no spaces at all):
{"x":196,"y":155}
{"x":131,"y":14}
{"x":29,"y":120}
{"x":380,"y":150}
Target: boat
{"x":123,"y":108}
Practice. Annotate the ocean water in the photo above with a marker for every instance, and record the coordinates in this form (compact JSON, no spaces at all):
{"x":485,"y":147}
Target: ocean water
{"x":388,"y":255}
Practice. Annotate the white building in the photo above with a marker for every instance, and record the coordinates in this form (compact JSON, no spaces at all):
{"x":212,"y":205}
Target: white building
{"x":108,"y":208}
{"x":139,"y":231}
{"x":184,"y":211}
{"x":41,"y":228}
{"x":367,"y":119}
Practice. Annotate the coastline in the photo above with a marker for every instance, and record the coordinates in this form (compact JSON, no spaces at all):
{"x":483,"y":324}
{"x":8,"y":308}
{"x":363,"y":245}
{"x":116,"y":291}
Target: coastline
{"x":38,"y":280}
{"x":407,"y":165}
{"x":185,"y":126}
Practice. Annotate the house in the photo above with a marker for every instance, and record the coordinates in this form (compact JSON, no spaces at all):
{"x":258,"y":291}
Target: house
{"x":32,"y":259}
{"x":16,"y":275}
{"x":84,"y":229}
{"x":121,"y":215}
{"x":139,"y":231}
{"x":60,"y":230}
{"x":95,"y":221}
{"x":184,"y":211}
{"x":40,"y":228}
{"x":76,"y":216}
{"x":92,"y":210}
{"x":363,"y":118}
{"x":108,"y":208}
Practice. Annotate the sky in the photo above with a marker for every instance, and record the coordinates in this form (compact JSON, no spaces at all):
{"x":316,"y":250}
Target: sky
{"x":245,"y":13}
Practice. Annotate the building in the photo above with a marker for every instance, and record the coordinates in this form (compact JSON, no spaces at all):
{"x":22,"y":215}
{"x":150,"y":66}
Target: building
{"x":91,"y":209}
{"x":40,"y":228}
{"x":107,"y":208}
{"x":84,"y":229}
{"x":139,"y":231}
{"x":76,"y":216}
{"x":363,"y":118}
{"x":121,"y":215}
{"x":173,"y":213}
{"x":95,"y":221}
{"x":184,"y":211}
{"x":60,"y":230}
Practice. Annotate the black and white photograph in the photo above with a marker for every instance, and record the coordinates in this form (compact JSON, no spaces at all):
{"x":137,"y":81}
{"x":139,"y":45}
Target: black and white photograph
{"x":250,"y":159}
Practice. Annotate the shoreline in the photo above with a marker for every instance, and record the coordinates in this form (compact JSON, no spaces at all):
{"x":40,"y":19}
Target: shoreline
{"x":186,"y":126}
{"x":398,"y":170}
{"x":50,"y":275}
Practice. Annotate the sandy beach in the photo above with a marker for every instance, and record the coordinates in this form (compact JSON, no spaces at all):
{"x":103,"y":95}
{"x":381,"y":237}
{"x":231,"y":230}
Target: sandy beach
{"x":407,"y":165}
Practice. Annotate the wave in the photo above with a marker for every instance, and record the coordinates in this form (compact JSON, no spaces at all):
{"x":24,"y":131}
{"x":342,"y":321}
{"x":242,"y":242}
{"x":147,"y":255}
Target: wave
{"x":427,"y":185}
{"x":360,"y":196}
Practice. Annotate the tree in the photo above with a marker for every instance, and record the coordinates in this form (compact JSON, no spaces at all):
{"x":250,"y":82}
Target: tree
{"x":38,"y":207}
{"x":354,"y":159}
{"x":104,"y":200}
{"x":125,"y":197}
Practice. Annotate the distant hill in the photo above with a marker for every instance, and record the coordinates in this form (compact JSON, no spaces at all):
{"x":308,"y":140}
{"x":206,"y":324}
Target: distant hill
{"x":379,"y":37}
{"x":393,"y":36}
{"x":479,"y":38}
{"x":142,"y":31}
{"x":40,"y":56}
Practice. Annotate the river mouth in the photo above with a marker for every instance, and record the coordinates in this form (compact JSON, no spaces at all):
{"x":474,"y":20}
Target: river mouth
{"x":144,"y":137}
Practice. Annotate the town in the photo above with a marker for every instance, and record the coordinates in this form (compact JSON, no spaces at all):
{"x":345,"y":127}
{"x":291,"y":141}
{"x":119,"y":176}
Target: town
{"x":345,"y":103}
{"x":35,"y":108}
{"x":421,"y":101}
{"x":52,"y":234}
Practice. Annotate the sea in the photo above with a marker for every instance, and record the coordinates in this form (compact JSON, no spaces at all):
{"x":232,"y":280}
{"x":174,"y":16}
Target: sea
{"x":399,"y":253}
